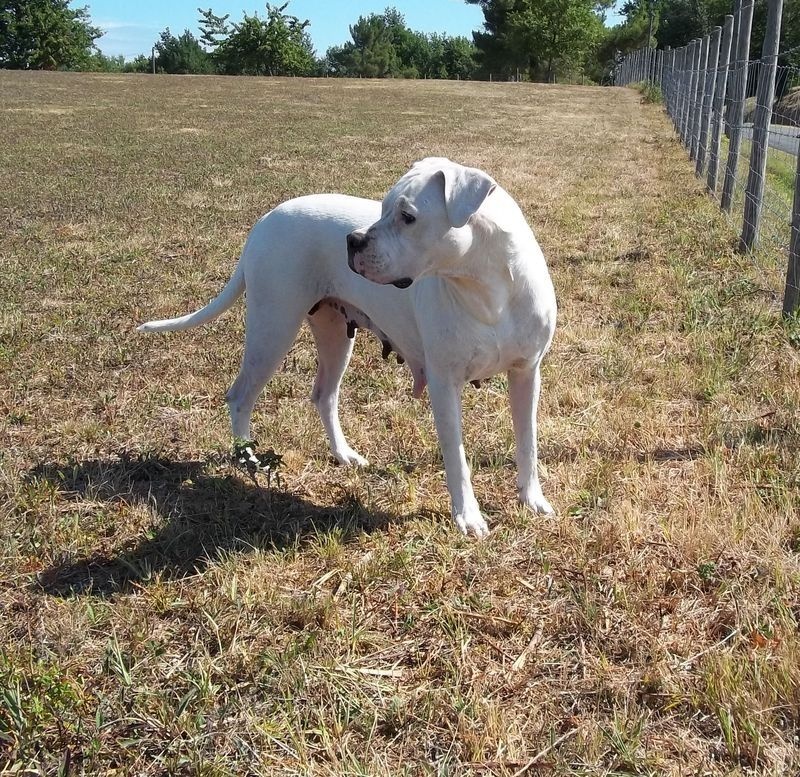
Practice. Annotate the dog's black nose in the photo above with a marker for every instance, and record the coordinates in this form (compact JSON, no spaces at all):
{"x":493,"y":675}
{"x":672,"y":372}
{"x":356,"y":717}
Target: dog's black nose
{"x":355,"y":243}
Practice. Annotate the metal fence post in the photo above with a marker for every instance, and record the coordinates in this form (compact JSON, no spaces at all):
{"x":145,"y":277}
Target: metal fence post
{"x":691,"y":76}
{"x":666,"y":80}
{"x":718,"y":107}
{"x":754,"y":196}
{"x":676,"y":84}
{"x":675,"y":79}
{"x":683,"y":90}
{"x":791,"y":295}
{"x":708,"y":97}
{"x":736,"y":110}
{"x":690,"y":97}
{"x":698,"y":97}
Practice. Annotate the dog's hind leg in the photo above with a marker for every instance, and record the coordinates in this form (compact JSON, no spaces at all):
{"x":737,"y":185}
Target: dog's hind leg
{"x":334,"y":348}
{"x":270,"y":332}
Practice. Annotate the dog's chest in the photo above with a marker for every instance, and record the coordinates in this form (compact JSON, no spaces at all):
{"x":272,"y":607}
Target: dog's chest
{"x":462,"y":345}
{"x":493,"y":350}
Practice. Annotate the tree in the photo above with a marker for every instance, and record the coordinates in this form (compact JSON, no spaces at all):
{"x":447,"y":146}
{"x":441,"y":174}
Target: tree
{"x":45,"y":35}
{"x":139,"y":64}
{"x":497,"y":54}
{"x":384,"y":46}
{"x":790,"y":35}
{"x":623,"y":38}
{"x":541,"y":37}
{"x":559,"y":34}
{"x":213,"y":29}
{"x":677,"y":22}
{"x":181,"y":55}
{"x":338,"y":60}
{"x":372,"y":52}
{"x":459,"y":58}
{"x":277,"y":46}
{"x":98,"y":62}
{"x":418,"y":55}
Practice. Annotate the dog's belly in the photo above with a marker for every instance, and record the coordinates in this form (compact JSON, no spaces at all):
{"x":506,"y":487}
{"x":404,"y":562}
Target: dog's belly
{"x":355,"y":318}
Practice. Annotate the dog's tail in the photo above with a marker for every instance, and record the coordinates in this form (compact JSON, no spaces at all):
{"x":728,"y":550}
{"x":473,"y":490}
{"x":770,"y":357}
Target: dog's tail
{"x":232,"y":290}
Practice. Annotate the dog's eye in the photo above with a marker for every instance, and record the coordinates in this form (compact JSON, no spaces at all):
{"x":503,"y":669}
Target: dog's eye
{"x":408,"y":218}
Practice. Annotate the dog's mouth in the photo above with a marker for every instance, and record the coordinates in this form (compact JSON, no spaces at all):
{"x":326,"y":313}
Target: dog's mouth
{"x":402,"y":283}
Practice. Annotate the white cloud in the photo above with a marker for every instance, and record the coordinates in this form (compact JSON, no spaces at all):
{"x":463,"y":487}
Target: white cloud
{"x":127,"y":38}
{"x":114,"y":25}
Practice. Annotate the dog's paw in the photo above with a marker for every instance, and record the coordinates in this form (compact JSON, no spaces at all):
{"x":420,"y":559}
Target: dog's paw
{"x":472,"y":522}
{"x":534,"y":500}
{"x":347,"y":457}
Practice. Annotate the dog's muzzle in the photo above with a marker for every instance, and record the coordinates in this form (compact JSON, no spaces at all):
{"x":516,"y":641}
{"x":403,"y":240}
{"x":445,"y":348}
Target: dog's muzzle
{"x":357,"y":243}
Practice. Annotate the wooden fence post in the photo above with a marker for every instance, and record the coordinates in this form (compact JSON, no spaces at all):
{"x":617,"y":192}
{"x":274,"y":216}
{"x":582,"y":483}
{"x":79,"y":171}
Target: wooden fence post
{"x":719,"y":104}
{"x":754,"y":196}
{"x":708,"y":98}
{"x":736,"y":110}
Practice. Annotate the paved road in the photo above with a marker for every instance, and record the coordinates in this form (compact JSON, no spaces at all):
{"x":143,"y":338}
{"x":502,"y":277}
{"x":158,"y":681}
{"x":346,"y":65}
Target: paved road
{"x":780,"y":136}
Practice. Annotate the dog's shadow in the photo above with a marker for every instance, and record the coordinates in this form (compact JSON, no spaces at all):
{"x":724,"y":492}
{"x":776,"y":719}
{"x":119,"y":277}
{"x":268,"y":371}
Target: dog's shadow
{"x":201,"y":511}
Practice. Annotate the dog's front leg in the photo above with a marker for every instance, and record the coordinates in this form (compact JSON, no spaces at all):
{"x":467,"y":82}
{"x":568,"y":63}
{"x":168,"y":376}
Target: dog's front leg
{"x":523,"y":388}
{"x":445,"y":396}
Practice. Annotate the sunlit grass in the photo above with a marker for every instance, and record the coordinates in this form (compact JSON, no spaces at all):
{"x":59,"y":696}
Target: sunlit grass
{"x":160,"y":613}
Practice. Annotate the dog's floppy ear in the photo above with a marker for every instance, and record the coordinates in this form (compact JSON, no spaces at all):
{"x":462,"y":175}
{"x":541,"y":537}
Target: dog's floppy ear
{"x":465,"y":189}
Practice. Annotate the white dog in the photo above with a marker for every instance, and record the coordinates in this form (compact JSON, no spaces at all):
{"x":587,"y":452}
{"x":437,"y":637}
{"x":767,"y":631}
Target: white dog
{"x":446,"y":272}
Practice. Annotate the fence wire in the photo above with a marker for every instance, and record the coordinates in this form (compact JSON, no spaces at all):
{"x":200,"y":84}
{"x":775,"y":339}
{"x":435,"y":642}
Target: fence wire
{"x":733,"y":129}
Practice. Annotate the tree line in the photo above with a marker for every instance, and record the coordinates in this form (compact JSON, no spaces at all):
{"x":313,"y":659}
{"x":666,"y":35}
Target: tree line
{"x":48,"y":34}
{"x":675,"y":23}
{"x":538,"y":40}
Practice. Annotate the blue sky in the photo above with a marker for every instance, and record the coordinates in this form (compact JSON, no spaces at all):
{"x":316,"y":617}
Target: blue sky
{"x":132,"y":26}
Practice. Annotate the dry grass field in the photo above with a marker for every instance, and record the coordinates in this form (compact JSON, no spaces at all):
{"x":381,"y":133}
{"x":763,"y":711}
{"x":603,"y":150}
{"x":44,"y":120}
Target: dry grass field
{"x":162,"y":614}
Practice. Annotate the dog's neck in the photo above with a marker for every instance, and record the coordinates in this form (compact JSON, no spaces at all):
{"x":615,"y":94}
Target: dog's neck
{"x":482,"y":280}
{"x":484,"y":299}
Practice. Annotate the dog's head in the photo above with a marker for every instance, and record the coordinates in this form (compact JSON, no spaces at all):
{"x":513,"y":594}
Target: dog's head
{"x":424,"y":224}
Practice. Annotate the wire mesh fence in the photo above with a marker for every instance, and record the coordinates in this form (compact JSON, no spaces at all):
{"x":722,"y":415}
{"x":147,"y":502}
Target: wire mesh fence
{"x":739,"y":120}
